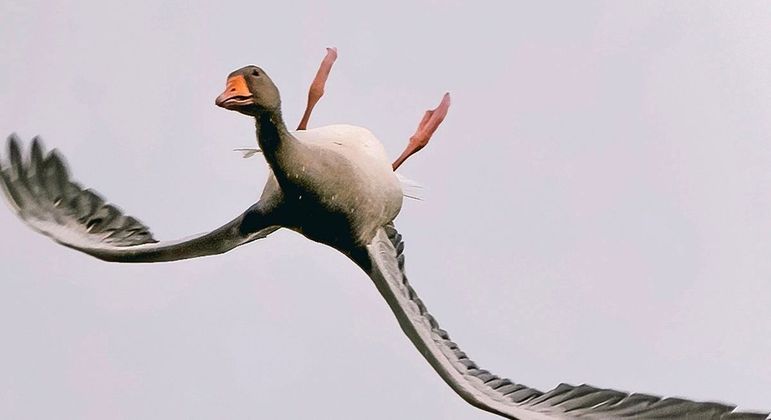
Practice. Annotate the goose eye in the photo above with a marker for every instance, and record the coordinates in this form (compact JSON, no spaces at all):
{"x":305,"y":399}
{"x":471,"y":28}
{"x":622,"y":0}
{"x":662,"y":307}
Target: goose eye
{"x":255,"y":72}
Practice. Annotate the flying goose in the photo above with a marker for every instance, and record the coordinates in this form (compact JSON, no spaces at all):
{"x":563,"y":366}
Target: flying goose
{"x":334,"y":185}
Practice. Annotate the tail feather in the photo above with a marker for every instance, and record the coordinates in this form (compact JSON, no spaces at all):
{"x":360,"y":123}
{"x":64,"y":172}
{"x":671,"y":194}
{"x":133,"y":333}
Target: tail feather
{"x":410,"y":189}
{"x":247,"y":151}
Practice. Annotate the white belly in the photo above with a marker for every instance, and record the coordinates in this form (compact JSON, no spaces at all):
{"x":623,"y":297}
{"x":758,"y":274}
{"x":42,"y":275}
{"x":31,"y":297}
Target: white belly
{"x":356,"y":143}
{"x":370,"y":192}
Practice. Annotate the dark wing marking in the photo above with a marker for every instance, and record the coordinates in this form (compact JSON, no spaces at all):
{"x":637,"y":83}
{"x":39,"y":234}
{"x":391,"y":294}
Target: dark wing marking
{"x":384,"y":262}
{"x":41,"y":192}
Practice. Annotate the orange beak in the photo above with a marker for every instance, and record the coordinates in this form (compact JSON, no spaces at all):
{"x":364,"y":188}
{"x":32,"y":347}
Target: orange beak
{"x":236,"y":94}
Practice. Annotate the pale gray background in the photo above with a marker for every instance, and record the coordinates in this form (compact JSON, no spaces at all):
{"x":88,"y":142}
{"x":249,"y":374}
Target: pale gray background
{"x":598,"y":206}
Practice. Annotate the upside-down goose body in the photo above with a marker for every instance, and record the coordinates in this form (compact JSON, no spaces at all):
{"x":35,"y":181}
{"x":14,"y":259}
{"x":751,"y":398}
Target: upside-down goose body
{"x":335,"y":186}
{"x":341,"y":181}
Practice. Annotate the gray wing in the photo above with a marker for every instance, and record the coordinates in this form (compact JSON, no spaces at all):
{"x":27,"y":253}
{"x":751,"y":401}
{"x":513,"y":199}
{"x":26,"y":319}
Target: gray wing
{"x":41,"y":192}
{"x":384,"y":262}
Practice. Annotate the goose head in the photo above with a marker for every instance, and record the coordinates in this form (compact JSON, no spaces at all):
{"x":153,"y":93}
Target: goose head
{"x":250,"y":91}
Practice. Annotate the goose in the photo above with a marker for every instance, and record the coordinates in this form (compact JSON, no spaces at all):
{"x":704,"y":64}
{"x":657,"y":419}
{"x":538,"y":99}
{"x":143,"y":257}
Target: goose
{"x":335,"y":186}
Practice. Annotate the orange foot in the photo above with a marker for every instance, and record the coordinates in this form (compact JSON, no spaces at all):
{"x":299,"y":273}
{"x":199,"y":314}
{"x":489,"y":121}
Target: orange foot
{"x":316,"y":90}
{"x":430,"y":122}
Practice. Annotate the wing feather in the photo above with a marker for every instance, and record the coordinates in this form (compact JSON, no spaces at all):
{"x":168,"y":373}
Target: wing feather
{"x":384,"y":262}
{"x":45,"y":197}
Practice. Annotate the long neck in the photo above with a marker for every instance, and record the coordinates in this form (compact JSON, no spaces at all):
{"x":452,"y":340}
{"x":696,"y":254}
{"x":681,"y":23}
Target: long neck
{"x":279,"y":147}
{"x":271,"y":131}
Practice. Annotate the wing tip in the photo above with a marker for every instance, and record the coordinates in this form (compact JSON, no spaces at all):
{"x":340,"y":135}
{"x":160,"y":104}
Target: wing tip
{"x":12,"y":138}
{"x":15,"y":150}
{"x":37,"y":143}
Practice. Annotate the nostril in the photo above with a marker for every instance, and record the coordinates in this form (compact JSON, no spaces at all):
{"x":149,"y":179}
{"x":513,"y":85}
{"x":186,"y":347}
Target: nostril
{"x":232,"y":89}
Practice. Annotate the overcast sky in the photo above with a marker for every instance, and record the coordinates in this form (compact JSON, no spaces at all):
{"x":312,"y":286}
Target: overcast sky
{"x":597,"y":205}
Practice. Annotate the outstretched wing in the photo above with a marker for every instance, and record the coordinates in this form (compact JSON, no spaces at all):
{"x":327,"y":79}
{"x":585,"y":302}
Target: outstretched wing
{"x":384,"y":262}
{"x":39,"y":188}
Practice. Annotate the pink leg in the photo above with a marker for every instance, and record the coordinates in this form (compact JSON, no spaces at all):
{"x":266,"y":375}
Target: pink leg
{"x":430,"y":122}
{"x":316,"y":90}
